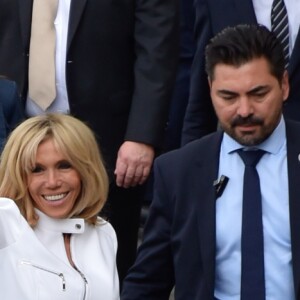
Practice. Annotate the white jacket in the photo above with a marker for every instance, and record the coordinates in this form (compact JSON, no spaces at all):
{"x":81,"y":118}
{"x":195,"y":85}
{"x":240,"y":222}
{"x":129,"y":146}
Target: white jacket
{"x":34,"y":264}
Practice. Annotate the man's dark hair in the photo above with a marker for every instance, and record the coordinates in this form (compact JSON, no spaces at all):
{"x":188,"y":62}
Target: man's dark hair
{"x":240,"y":44}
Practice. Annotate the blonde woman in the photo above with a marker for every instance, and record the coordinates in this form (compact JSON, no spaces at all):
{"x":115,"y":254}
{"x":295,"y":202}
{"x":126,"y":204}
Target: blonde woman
{"x":52,"y":243}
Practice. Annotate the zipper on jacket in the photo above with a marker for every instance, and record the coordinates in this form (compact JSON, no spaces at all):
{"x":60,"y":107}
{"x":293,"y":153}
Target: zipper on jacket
{"x":61,"y":275}
{"x":84,"y":280}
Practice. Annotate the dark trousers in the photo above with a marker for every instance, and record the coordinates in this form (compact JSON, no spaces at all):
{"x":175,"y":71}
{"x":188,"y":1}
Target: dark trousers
{"x":123,"y":210}
{"x":178,"y":106}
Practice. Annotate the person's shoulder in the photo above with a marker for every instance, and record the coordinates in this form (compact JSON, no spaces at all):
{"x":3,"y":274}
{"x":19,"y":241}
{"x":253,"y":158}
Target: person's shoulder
{"x":104,"y":227}
{"x":7,"y":85}
{"x":8,"y":94}
{"x":106,"y":234}
{"x":197,"y":147}
{"x":292,"y":124}
{"x":7,"y":204}
{"x":9,"y":212}
{"x":11,"y":222}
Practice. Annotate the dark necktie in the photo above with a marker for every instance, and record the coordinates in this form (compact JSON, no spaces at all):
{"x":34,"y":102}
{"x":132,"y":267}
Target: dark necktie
{"x":280,"y":26}
{"x":252,"y":275}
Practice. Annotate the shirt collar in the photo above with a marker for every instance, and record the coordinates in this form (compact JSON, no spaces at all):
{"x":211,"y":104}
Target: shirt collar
{"x":272,"y":144}
{"x":59,"y":225}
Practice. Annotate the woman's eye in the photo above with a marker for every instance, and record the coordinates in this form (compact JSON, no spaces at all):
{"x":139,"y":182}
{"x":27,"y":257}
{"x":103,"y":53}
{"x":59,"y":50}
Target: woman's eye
{"x":65,"y":165}
{"x":37,"y":169}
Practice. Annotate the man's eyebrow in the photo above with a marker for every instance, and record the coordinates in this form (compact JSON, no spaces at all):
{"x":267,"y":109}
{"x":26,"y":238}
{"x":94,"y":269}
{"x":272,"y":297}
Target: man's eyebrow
{"x":260,"y":88}
{"x":226,"y":92}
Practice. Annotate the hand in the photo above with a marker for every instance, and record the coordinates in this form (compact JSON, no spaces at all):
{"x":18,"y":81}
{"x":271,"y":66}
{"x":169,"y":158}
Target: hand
{"x":133,"y":164}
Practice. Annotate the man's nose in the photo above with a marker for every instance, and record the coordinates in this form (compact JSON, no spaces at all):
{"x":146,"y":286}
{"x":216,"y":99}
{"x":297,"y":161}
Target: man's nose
{"x":245,"y":107}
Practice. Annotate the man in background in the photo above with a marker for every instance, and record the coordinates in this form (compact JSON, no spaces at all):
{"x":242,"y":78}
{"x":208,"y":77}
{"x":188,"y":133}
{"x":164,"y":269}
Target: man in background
{"x":114,"y":69}
{"x":211,"y":17}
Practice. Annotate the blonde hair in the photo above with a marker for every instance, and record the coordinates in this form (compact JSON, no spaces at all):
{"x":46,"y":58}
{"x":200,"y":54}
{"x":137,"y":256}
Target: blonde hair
{"x":76,"y":142}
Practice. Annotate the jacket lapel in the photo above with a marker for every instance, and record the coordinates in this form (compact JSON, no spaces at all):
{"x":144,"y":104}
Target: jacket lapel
{"x":293,"y":161}
{"x":76,"y":10}
{"x":245,"y":11}
{"x":294,"y":64}
{"x":25,"y":12}
{"x":206,"y":206}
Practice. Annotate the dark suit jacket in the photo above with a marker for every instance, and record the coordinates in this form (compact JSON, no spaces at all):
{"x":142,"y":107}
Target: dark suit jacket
{"x":182,"y":85}
{"x":120,"y":66}
{"x":179,"y":244}
{"x":211,"y":17}
{"x":11,"y":110}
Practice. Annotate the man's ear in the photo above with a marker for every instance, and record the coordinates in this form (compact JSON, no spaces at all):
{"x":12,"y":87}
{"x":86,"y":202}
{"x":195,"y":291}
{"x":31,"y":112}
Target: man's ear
{"x":285,"y":85}
{"x":209,"y":81}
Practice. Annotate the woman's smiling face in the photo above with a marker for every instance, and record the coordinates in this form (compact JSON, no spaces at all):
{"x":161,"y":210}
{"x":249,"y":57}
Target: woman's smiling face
{"x":53,"y":184}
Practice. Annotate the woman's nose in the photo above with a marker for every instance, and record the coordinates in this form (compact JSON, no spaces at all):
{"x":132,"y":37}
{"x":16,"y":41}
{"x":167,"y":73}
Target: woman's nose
{"x":53,"y":179}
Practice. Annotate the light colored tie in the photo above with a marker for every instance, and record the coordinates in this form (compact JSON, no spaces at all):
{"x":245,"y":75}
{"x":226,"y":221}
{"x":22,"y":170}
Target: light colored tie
{"x":42,"y":88}
{"x":280,"y":26}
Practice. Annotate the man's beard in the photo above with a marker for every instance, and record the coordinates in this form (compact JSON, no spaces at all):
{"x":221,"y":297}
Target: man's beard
{"x":248,"y":138}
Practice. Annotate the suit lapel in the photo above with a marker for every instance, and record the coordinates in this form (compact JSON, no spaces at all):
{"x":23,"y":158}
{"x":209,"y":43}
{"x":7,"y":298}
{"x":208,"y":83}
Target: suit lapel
{"x":77,"y":8}
{"x":245,"y":11}
{"x":295,"y":57}
{"x":25,"y":11}
{"x":206,"y":206}
{"x":293,"y":155}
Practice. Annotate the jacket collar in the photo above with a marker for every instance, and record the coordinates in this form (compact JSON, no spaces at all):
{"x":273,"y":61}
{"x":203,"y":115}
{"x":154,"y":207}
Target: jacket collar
{"x":25,"y":12}
{"x":76,"y":226}
{"x":76,"y":11}
{"x":206,"y":220}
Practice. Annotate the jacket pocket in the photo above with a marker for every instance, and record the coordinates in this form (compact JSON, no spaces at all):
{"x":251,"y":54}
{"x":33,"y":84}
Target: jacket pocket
{"x":49,"y":282}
